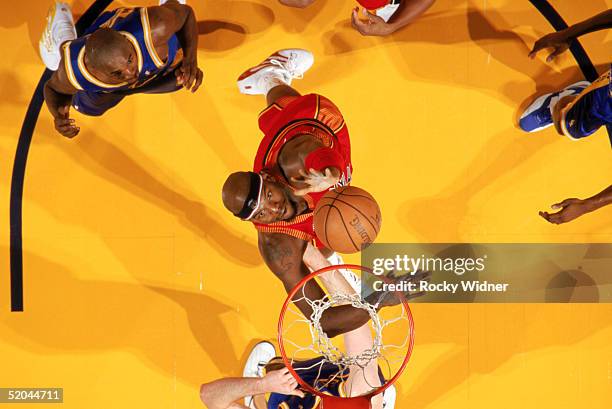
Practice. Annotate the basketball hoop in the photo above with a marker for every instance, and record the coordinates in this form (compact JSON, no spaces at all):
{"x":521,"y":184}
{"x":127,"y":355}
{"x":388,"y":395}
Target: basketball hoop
{"x":306,"y":348}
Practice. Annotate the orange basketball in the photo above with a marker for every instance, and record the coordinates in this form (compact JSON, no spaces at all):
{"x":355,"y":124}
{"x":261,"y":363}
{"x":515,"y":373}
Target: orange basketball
{"x":347,"y":219}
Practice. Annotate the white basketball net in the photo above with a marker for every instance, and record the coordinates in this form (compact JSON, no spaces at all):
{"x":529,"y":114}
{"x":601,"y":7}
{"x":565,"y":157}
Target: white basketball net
{"x":389,"y":355}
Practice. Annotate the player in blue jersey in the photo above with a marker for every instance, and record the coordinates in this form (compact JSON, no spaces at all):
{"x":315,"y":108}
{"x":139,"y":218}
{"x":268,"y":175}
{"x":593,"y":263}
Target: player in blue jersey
{"x":125,"y":51}
{"x":576,"y":111}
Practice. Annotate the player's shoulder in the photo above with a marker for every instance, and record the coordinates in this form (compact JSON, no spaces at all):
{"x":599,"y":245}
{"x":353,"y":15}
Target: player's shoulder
{"x":59,"y":79}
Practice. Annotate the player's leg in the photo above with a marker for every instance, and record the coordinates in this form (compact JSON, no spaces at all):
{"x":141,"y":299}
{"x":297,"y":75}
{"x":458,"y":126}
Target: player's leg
{"x":280,"y":91}
{"x":59,"y":29}
{"x":273,"y":76}
{"x":582,"y":115}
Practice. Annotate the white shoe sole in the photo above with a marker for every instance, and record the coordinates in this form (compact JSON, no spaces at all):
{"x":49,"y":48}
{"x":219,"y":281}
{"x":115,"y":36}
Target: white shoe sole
{"x":261,"y":352}
{"x":49,"y":45}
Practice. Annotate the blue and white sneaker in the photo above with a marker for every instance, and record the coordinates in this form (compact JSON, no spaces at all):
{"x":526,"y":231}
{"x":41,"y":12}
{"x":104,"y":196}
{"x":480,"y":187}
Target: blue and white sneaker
{"x":538,"y":115}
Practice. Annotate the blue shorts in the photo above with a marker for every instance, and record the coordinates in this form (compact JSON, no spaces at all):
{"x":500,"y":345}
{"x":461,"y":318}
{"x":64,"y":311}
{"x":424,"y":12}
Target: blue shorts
{"x":97,"y":103}
{"x":320,"y":374}
{"x":591,"y":110}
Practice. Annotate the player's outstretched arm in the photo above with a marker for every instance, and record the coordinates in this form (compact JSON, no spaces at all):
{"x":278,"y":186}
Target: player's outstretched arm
{"x":284,"y":256}
{"x":571,"y":209}
{"x":373,"y":25}
{"x":58,"y":97}
{"x":297,"y":3}
{"x":561,"y":40}
{"x":175,"y":18}
{"x":224,"y":393}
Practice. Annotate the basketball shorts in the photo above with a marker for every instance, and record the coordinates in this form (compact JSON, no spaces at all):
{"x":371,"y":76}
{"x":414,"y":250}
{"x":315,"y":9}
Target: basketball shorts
{"x":589,"y":111}
{"x":97,"y":103}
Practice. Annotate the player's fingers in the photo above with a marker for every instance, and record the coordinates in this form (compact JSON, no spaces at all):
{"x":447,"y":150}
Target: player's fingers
{"x":554,"y":54}
{"x":316,"y":173}
{"x":357,"y":23}
{"x":545,"y":216}
{"x":198,"y":81}
{"x":186,"y":77}
{"x":303,"y":173}
{"x":71,"y":133}
{"x":372,"y":18}
{"x":537,"y":46}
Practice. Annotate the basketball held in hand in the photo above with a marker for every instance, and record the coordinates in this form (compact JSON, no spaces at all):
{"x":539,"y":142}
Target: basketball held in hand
{"x":347,"y":219}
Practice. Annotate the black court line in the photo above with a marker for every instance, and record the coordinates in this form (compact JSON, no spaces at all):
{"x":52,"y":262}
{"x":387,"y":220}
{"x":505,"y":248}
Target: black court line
{"x":19,"y":165}
{"x":583,"y":60}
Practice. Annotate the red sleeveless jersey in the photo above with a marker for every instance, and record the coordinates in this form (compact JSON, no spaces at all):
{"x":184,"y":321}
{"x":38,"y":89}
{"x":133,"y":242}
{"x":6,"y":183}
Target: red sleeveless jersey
{"x":287,"y":118}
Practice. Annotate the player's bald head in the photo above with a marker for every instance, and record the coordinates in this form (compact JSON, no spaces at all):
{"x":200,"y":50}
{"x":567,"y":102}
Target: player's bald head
{"x":111,"y":55}
{"x":235,"y":191}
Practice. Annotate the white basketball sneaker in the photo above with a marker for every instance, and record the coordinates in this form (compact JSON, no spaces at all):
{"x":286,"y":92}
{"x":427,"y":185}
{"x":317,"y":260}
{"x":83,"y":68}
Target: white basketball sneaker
{"x":255,"y":365}
{"x":59,"y":29}
{"x":280,"y":68}
{"x":352,"y":278}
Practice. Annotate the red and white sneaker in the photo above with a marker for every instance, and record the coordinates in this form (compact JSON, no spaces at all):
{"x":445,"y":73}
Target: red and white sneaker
{"x":59,"y":29}
{"x":280,"y":68}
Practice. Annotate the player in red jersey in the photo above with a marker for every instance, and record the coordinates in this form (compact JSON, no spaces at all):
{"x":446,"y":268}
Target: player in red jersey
{"x":305,"y":152}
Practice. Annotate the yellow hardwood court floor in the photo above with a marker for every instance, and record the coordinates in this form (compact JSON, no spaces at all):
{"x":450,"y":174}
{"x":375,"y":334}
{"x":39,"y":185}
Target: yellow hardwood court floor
{"x":139,"y":286}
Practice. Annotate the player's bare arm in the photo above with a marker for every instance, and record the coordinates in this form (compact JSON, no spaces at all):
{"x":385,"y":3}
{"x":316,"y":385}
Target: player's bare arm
{"x":283,"y":254}
{"x":560,"y":41}
{"x":58,"y":94}
{"x":224,"y":393}
{"x":570,"y":209}
{"x":174,"y":18}
{"x":370,"y":24}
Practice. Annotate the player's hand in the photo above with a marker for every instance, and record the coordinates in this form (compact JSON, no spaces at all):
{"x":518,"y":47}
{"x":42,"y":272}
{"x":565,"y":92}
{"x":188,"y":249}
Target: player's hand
{"x":389,"y":298}
{"x":65,"y":125}
{"x":189,"y":75}
{"x":296,"y":3}
{"x":372,"y":26}
{"x":570,"y":209}
{"x":281,"y":381}
{"x":558,"y":41}
{"x":317,"y":181}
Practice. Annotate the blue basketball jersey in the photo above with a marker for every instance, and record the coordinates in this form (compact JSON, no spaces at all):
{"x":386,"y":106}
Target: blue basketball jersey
{"x":323,"y":376}
{"x":134,"y":24}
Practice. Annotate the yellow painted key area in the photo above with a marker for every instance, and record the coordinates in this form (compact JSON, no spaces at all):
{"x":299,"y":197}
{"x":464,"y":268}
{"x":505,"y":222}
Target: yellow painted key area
{"x":139,"y":286}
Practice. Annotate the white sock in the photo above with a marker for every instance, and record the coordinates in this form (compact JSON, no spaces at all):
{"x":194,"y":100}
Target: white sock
{"x":272,"y":80}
